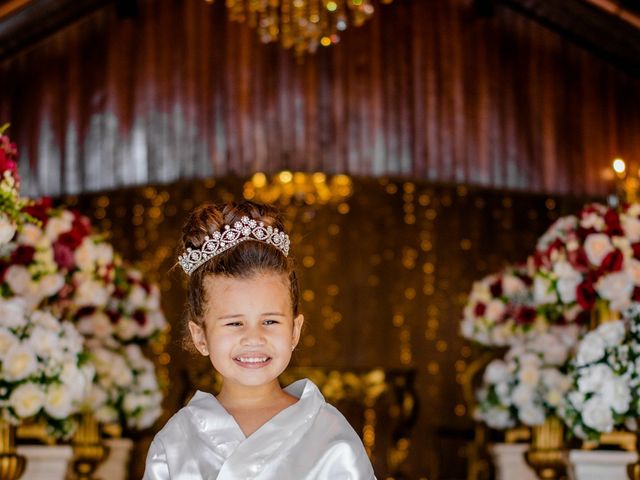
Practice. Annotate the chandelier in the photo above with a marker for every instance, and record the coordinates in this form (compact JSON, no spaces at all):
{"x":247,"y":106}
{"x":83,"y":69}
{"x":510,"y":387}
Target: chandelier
{"x":301,"y":24}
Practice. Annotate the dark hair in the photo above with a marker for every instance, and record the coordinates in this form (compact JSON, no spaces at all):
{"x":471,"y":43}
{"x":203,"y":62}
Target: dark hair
{"x":244,"y":260}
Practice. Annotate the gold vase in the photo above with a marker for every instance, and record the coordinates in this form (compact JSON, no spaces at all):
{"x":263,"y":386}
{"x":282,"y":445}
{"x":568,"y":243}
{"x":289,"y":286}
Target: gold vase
{"x":547,"y":455}
{"x":633,"y":470}
{"x":88,"y":450}
{"x":12,"y":465}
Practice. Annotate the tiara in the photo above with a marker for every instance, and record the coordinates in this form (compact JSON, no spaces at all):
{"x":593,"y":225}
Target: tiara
{"x":229,"y":237}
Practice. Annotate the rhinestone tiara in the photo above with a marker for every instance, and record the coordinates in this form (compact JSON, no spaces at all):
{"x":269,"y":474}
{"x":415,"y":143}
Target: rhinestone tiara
{"x":229,"y":237}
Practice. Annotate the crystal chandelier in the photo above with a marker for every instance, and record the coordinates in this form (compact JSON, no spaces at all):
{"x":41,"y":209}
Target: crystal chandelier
{"x":301,"y":24}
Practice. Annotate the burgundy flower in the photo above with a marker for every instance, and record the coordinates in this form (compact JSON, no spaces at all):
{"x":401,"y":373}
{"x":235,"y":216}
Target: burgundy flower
{"x":8,"y":157}
{"x":612,"y":221}
{"x":479,"y":309}
{"x":585,"y":232}
{"x":579,"y":260}
{"x":71,"y":239}
{"x":85,"y":311}
{"x":23,"y":255}
{"x":583,"y":318}
{"x":81,"y":225}
{"x":113,"y":315}
{"x":636,"y":294}
{"x":140,"y":317}
{"x":612,"y":262}
{"x":586,"y":295}
{"x":636,"y":250}
{"x":525,"y":315}
{"x":63,"y":255}
{"x":496,"y":288}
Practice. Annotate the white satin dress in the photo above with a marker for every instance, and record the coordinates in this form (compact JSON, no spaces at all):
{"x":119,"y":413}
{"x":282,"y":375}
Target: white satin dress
{"x":308,"y":440}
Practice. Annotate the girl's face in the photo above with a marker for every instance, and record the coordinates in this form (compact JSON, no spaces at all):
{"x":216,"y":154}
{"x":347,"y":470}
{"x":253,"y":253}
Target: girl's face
{"x":249,"y":331}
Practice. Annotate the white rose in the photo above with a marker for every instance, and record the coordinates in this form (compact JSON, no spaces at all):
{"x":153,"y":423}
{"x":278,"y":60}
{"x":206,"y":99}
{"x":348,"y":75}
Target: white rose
{"x":18,"y":278}
{"x":597,"y":246}
{"x":19,"y":363}
{"x":45,"y":320}
{"x":148,"y":382}
{"x":91,"y":293}
{"x":522,"y":395}
{"x":13,"y":312}
{"x":86,"y":255}
{"x":616,"y":287}
{"x":631,"y":227}
{"x":7,"y":341}
{"x":7,"y":229}
{"x":30,"y":235}
{"x":531,"y":415}
{"x":542,"y":291}
{"x":126,"y":328}
{"x":554,"y":397}
{"x":103,"y":254}
{"x":501,"y":334}
{"x":591,"y":349}
{"x":512,"y":285}
{"x":632,"y":266}
{"x":502,"y":391}
{"x":597,"y":415}
{"x":74,"y":380}
{"x":592,"y":220}
{"x":467,"y":328}
{"x":153,"y":299}
{"x":59,"y":402}
{"x":137,"y":298}
{"x":148,"y":417}
{"x":529,"y":375}
{"x":496,"y":372}
{"x":498,"y":418}
{"x":568,"y":281}
{"x":97,"y":397}
{"x":594,"y":378}
{"x":27,"y":400}
{"x":106,"y":414}
{"x":97,"y":324}
{"x":44,"y":342}
{"x":616,"y":394}
{"x":51,"y":284}
{"x":611,"y":332}
{"x":58,"y":225}
{"x":577,"y":399}
{"x":495,"y":310}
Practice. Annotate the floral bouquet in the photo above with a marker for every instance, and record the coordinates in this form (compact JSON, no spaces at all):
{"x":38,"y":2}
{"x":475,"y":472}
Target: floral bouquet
{"x":529,"y":385}
{"x":132,"y":313}
{"x":500,"y":309}
{"x":43,"y":369}
{"x":12,"y":215}
{"x":605,"y":377}
{"x":126,"y":389}
{"x":591,"y":258}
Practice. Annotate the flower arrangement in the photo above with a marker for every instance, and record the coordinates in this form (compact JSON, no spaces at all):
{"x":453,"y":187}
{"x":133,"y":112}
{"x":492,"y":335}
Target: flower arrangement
{"x":500,"y":310}
{"x":126,"y":389}
{"x":530,"y":384}
{"x":605,"y":377}
{"x":12,"y":215}
{"x":44,"y":373}
{"x":588,"y":259}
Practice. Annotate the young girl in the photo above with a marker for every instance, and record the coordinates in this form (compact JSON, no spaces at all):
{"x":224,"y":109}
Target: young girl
{"x":243,"y":314}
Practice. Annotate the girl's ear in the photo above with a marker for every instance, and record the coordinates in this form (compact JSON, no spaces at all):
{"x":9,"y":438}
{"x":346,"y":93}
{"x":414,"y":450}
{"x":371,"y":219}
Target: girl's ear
{"x":199,"y":338}
{"x":297,"y":330}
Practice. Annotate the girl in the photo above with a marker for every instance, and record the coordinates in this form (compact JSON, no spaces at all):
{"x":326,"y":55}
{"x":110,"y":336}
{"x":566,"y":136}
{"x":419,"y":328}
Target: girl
{"x":243,"y":314}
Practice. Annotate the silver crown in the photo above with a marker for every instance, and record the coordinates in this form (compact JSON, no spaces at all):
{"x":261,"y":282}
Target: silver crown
{"x":229,"y":237}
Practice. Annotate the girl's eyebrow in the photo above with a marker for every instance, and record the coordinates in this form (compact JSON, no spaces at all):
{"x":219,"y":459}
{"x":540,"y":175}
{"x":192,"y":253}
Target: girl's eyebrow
{"x":271,"y":314}
{"x":225,"y":317}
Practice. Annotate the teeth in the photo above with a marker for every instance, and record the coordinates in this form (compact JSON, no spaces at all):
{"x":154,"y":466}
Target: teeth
{"x":252,"y":359}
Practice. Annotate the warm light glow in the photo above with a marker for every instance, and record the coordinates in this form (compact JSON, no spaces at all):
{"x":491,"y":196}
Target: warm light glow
{"x":259,"y":179}
{"x":325,"y":41}
{"x":332,"y":6}
{"x":619,"y":166}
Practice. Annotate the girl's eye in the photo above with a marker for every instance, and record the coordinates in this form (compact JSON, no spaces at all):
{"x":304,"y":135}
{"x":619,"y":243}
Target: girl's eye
{"x":270,"y":322}
{"x":233,"y":324}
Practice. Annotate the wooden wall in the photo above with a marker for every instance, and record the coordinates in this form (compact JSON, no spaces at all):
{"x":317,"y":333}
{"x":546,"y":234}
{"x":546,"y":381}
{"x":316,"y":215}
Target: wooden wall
{"x":427,"y":90}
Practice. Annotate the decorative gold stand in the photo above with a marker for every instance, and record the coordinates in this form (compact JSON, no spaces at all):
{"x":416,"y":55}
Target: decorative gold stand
{"x":88,"y":450}
{"x":633,"y":470}
{"x":547,"y":455}
{"x":12,"y":465}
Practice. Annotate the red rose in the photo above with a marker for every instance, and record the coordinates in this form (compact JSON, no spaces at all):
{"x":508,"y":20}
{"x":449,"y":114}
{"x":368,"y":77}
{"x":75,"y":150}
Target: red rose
{"x":612,"y":221}
{"x":579,"y":260}
{"x":140,"y":317}
{"x":636,"y":250}
{"x":636,"y":294}
{"x":23,"y":255}
{"x":525,"y":315}
{"x":63,"y":255}
{"x":72,"y":239}
{"x":113,"y":315}
{"x":81,"y":225}
{"x":612,"y":262}
{"x":479,"y":309}
{"x":586,"y":295}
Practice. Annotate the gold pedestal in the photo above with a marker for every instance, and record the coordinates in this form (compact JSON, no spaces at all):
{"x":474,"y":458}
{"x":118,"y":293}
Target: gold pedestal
{"x":547,"y":455}
{"x":12,"y":465}
{"x":88,"y":450}
{"x":633,"y":470}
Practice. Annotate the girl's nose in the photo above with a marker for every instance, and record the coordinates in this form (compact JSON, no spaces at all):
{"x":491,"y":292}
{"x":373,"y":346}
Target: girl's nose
{"x":253,"y":336}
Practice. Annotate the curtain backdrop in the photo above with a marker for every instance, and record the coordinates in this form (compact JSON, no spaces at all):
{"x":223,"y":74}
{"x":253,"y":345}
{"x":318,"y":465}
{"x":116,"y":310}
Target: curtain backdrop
{"x":425,"y":90}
